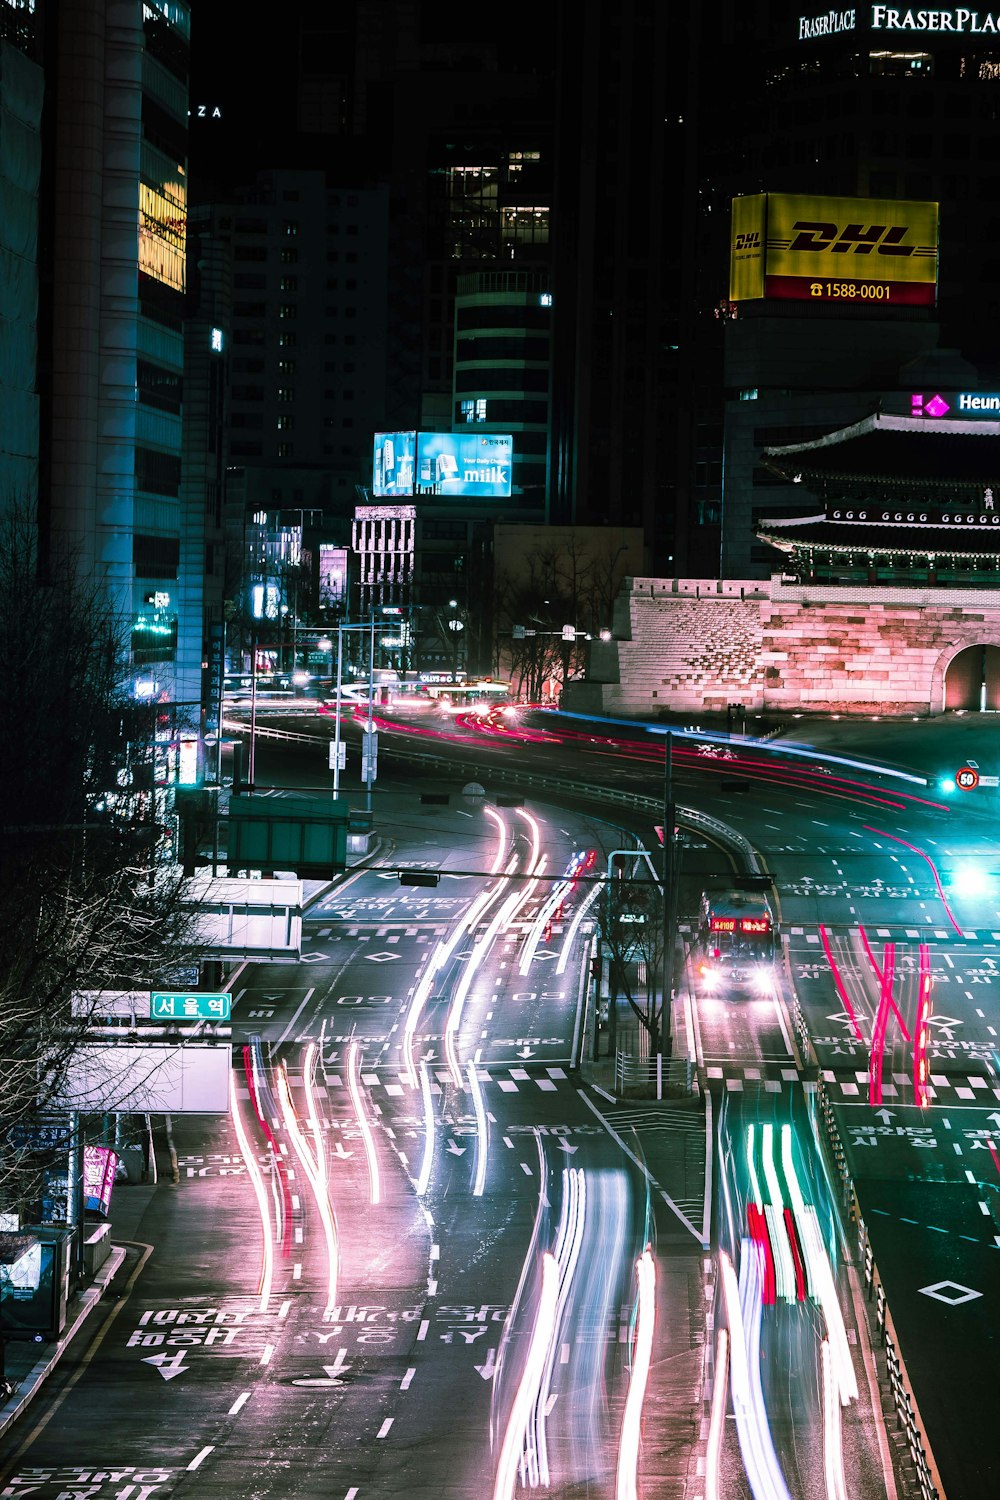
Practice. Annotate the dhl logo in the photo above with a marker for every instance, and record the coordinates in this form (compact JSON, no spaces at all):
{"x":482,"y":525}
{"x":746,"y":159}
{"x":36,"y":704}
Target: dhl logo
{"x":857,"y":239}
{"x":750,"y":241}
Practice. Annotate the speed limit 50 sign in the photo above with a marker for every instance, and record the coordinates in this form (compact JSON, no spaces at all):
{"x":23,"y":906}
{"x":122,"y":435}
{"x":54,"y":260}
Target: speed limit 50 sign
{"x":967,"y":778}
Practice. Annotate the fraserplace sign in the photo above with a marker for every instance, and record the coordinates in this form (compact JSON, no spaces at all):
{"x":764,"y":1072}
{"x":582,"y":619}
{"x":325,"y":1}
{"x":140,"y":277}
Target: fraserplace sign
{"x":902,"y":20}
{"x":857,"y":252}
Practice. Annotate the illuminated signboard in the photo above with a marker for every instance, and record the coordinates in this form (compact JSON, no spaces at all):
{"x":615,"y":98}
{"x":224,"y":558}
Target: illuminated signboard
{"x":722,"y":924}
{"x":332,"y":575}
{"x":755,"y":924}
{"x":897,"y":20}
{"x":394,"y":463}
{"x":962,"y":404}
{"x":162,"y":232}
{"x":856,"y":252}
{"x":473,"y":464}
{"x":99,"y":1166}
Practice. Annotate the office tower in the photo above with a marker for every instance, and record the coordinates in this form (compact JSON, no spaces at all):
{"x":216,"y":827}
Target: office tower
{"x":113,"y":206}
{"x":615,"y":285}
{"x":869,"y":103}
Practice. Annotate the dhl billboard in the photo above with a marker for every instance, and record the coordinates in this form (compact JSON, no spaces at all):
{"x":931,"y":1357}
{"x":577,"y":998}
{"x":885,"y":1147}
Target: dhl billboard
{"x":870,"y":252}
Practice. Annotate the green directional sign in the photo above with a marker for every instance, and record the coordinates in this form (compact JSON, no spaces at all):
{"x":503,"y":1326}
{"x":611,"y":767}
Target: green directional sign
{"x":190,"y":1007}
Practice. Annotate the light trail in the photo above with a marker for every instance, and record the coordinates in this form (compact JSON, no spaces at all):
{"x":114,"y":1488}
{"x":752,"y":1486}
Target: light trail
{"x":551,"y":903}
{"x":759,"y":1461}
{"x":825,"y":1291}
{"x":541,"y":1336}
{"x":473,"y":963}
{"x":260,"y":1193}
{"x":502,"y":837}
{"x":317,"y":1184}
{"x":423,"y":1180}
{"x":482,"y":1131}
{"x":932,"y":866}
{"x":308,"y":1071}
{"x":877,"y":1059}
{"x":833,"y":1441}
{"x":628,"y":1451}
{"x":920,"y":1068}
{"x":526,"y":1265}
{"x":578,"y":917}
{"x":878,"y":975}
{"x":569,"y":1239}
{"x":840,"y":984}
{"x":717,"y":1420}
{"x":357,"y":1099}
{"x":784,"y":1263}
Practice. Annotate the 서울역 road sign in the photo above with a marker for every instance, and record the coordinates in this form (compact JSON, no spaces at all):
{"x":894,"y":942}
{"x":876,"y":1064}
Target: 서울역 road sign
{"x":188,"y":1007}
{"x":967,"y":778}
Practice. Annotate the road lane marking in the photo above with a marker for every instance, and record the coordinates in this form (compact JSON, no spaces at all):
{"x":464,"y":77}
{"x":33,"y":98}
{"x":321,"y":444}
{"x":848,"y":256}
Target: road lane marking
{"x":422,"y":1331}
{"x":404,"y":1384}
{"x":265,"y":1358}
{"x":239,"y":1404}
{"x":384,"y":1429}
{"x":199,"y":1459}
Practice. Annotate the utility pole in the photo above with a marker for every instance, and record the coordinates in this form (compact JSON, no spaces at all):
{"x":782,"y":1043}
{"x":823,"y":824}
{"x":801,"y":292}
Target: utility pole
{"x":669,"y":897}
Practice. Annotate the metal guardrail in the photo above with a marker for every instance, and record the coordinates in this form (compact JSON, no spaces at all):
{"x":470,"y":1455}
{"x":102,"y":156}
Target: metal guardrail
{"x":654,"y":1077}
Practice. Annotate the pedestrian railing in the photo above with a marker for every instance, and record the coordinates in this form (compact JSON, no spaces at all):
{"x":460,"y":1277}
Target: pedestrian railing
{"x":654,"y":1077}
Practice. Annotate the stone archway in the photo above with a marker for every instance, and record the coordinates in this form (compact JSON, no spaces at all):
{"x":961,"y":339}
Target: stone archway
{"x":972,"y":679}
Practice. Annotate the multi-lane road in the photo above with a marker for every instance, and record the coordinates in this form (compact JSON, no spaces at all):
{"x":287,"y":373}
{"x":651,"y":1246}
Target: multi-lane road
{"x":412,"y":1260}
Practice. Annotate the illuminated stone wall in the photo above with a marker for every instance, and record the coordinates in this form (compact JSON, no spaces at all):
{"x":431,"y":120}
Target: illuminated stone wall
{"x":697,"y":645}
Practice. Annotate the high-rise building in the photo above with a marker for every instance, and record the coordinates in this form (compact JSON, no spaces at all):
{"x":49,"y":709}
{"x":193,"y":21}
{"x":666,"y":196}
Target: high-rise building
{"x":113,"y":207}
{"x":872,"y":103}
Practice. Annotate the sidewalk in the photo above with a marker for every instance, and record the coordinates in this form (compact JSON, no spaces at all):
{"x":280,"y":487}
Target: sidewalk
{"x":28,"y":1364}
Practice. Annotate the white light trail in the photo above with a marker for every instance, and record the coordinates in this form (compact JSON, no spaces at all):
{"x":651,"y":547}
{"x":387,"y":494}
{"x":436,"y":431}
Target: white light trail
{"x":784,"y":1263}
{"x":569,"y":1239}
{"x":442,"y":955}
{"x":308,"y":1071}
{"x":717,"y":1421}
{"x":260,"y":1193}
{"x":540,"y":1207}
{"x":752,"y":1170}
{"x":554,"y":899}
{"x":541,"y":1337}
{"x":502,"y":837}
{"x":824,"y":1289}
{"x":628,"y":1452}
{"x":833,"y":1443}
{"x":581,"y":912}
{"x":766,"y":1481}
{"x":318,"y":1187}
{"x":753,"y":1310}
{"x":357,"y":1099}
{"x":482,"y":1131}
{"x":428,"y":1159}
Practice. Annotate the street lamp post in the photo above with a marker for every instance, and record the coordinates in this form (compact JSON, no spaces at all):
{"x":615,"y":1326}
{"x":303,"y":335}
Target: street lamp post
{"x":669,"y":898}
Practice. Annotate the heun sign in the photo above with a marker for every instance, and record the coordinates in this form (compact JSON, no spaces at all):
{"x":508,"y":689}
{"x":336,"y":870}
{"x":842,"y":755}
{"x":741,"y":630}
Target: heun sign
{"x":830,"y":23}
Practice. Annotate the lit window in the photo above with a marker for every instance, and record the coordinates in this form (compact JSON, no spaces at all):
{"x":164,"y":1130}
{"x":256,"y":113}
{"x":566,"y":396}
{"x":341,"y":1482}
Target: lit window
{"x":216,"y":340}
{"x":289,"y":283}
{"x":291,"y":227}
{"x":286,"y":423}
{"x":286,"y":394}
{"x":286,"y":310}
{"x":286,"y":367}
{"x":286,"y":340}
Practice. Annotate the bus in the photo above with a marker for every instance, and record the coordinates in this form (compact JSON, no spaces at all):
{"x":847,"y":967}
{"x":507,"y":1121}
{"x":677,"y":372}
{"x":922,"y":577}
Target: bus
{"x":735,"y":946}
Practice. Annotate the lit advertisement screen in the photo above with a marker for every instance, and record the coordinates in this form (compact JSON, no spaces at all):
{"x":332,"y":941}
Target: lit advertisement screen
{"x":857,"y":252}
{"x":332,"y":575}
{"x":476,"y":465}
{"x":393,"y":463}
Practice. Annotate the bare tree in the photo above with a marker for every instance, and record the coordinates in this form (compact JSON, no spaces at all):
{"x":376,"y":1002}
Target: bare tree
{"x":88,"y":900}
{"x":630,"y":919}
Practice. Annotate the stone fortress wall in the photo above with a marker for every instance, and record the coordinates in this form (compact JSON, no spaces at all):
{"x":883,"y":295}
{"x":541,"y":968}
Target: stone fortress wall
{"x":699,"y":645}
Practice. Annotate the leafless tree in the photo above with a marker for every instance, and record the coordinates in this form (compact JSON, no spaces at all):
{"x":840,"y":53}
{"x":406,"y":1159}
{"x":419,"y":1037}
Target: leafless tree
{"x":630,"y":919}
{"x":87,"y":900}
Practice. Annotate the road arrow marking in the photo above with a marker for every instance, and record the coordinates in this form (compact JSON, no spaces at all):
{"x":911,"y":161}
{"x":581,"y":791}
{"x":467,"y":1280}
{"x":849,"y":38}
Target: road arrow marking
{"x":455,"y":1148}
{"x":338,"y":1150}
{"x":564,"y":1145}
{"x":885,"y":1115}
{"x":488,"y":1370}
{"x":525,"y":1051}
{"x":168,"y":1365}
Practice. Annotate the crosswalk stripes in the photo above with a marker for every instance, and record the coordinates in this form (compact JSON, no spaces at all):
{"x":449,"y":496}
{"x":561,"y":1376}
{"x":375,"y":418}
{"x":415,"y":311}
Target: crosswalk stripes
{"x":509,"y":1081}
{"x":852,"y":1087}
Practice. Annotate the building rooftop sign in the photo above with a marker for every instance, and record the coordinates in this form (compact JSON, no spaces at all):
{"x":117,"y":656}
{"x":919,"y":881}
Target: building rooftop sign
{"x":859,"y":253}
{"x":886,"y":22}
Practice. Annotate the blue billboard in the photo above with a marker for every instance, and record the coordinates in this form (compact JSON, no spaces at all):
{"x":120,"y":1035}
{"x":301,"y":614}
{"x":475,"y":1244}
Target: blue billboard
{"x":394,"y":463}
{"x":472,"y":464}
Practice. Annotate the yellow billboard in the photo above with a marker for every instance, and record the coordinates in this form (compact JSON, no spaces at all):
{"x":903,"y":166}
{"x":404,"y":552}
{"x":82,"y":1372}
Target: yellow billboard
{"x":872,"y":252}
